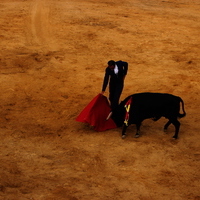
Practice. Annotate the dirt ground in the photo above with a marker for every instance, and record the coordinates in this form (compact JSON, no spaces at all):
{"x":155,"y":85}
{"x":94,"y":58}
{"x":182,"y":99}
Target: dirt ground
{"x":52,"y":60}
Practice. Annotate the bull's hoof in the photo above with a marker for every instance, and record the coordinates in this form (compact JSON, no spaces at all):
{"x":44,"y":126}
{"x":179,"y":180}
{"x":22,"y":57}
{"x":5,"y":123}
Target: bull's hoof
{"x":123,"y":136}
{"x":137,"y":136}
{"x":174,"y":137}
{"x":165,"y":130}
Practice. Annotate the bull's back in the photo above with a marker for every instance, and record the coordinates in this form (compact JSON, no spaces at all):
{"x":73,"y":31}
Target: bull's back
{"x":154,"y":99}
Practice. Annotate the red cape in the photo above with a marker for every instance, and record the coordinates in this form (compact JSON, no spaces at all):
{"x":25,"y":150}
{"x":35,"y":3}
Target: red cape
{"x":96,"y":112}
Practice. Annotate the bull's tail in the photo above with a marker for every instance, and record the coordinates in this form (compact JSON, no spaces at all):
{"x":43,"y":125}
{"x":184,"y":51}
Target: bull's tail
{"x":184,"y":113}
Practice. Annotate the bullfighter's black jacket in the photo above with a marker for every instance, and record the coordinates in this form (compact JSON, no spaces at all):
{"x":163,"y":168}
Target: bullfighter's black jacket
{"x":116,"y":82}
{"x":115,"y":78}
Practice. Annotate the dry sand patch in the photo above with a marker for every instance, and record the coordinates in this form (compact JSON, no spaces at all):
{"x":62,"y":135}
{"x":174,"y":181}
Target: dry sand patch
{"x":52,"y":61}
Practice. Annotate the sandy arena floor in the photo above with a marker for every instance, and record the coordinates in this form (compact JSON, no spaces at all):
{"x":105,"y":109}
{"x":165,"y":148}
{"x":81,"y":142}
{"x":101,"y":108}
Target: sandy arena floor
{"x":52,"y":60}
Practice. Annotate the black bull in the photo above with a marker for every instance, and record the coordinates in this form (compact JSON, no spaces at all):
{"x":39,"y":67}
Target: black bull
{"x":149,"y":105}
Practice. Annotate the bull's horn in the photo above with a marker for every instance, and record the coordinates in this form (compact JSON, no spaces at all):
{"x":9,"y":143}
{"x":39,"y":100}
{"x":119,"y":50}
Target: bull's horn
{"x":109,"y":115}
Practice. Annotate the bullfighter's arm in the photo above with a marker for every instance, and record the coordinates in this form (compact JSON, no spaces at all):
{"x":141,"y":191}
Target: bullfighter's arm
{"x":105,"y":81}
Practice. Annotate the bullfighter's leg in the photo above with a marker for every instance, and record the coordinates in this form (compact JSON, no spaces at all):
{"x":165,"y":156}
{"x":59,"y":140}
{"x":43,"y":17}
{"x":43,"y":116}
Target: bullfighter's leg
{"x":138,"y":129}
{"x":166,"y":125}
{"x":176,"y":123}
{"x":115,"y":93}
{"x":124,"y":131}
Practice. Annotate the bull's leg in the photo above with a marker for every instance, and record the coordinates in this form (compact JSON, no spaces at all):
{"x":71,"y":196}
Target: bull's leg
{"x":138,"y":129}
{"x":166,"y":125}
{"x":176,"y":123}
{"x":124,"y":131}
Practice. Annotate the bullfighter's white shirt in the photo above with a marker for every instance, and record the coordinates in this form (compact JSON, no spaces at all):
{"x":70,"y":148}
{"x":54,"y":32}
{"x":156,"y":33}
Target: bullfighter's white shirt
{"x":116,"y":70}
